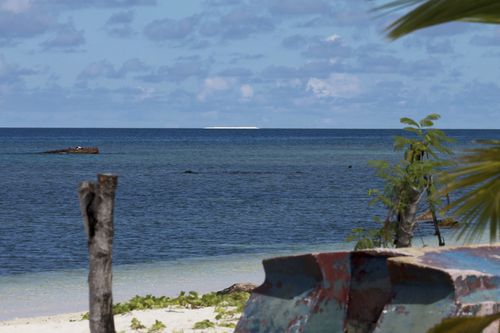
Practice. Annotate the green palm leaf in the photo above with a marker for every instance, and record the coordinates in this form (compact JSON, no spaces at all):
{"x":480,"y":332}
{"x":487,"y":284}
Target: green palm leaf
{"x":479,"y":208}
{"x":428,"y":13}
{"x":409,"y":121}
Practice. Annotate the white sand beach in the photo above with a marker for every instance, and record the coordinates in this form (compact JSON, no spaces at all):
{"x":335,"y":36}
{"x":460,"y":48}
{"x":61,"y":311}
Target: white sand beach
{"x":176,"y":320}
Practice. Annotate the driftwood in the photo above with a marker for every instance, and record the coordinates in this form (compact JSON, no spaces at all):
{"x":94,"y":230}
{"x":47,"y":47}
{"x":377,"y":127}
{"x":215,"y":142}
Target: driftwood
{"x":74,"y":150}
{"x":428,"y":217}
{"x":96,"y":204}
{"x":237,"y":287}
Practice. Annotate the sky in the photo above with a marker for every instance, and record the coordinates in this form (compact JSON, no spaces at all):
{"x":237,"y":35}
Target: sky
{"x":265,"y":63}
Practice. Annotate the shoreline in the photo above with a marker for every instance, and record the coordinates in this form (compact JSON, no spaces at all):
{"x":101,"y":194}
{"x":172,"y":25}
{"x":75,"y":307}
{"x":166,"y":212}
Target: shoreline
{"x":175,"y":319}
{"x":51,"y":293}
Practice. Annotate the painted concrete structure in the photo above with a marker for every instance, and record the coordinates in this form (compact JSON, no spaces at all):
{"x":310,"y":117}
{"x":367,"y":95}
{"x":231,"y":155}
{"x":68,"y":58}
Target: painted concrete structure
{"x":404,"y":290}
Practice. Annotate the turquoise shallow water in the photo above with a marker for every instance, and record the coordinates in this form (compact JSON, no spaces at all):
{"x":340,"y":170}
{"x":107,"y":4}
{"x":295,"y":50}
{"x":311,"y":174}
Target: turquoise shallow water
{"x":252,"y":194}
{"x":63,"y":291}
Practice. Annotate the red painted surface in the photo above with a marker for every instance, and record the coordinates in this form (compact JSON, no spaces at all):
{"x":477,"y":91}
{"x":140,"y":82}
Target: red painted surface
{"x":335,"y":268}
{"x":348,"y":291}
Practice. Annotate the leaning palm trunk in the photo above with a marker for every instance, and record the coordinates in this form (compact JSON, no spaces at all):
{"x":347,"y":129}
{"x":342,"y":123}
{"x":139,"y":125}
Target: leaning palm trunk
{"x":407,"y":220}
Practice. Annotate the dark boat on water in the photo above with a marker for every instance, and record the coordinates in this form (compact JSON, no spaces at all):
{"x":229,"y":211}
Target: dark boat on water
{"x":74,"y":150}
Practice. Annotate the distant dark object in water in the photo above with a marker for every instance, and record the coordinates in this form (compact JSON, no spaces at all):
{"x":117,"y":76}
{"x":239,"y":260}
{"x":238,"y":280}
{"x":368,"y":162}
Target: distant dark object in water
{"x":249,"y":172}
{"x":190,"y":172}
{"x":349,"y":167}
{"x":74,"y":150}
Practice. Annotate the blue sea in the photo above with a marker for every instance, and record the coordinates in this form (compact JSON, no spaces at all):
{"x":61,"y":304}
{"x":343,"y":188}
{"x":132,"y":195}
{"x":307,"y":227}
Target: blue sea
{"x":187,"y":196}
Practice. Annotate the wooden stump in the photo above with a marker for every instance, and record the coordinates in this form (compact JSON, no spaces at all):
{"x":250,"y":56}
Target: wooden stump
{"x":96,"y":204}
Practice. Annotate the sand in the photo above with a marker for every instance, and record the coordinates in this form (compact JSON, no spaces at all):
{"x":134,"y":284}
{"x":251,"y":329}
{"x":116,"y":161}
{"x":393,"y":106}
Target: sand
{"x":176,"y":319}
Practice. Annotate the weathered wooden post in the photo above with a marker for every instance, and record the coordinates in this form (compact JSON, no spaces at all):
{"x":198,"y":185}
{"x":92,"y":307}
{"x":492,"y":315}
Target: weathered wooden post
{"x":96,"y":204}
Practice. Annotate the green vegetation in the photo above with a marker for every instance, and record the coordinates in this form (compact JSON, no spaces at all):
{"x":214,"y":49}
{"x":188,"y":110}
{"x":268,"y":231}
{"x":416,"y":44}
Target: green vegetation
{"x":157,"y":327}
{"x":135,"y":324}
{"x":203,"y":324}
{"x":228,"y":307}
{"x":480,"y":207}
{"x":433,"y":12}
{"x":465,"y":324}
{"x":228,"y":325}
{"x":224,"y":313}
{"x":226,"y":317}
{"x":407,"y":184}
{"x":479,"y":171}
{"x":191,"y":300}
{"x":366,"y":238}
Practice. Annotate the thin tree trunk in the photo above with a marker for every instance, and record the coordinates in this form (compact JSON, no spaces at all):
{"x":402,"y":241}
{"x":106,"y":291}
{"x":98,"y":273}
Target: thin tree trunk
{"x":432,"y":208}
{"x":437,"y":232}
{"x":96,"y":204}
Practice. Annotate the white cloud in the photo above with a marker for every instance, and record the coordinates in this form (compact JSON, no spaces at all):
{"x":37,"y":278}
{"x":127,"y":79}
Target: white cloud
{"x":288,"y":83}
{"x":246,"y":92}
{"x":213,"y":85}
{"x":15,"y":6}
{"x":336,"y":85}
{"x":146,"y":93}
{"x":332,"y":39}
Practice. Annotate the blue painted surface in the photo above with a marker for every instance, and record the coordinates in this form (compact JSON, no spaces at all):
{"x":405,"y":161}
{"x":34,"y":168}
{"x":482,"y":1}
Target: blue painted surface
{"x":292,"y":303}
{"x":484,"y":295}
{"x":441,"y":284}
{"x":299,"y":296}
{"x":373,"y":291}
{"x":421,"y":297}
{"x":485,"y":260}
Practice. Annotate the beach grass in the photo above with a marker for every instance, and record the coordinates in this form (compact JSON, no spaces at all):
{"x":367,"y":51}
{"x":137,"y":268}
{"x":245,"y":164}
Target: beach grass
{"x":227,"y":308}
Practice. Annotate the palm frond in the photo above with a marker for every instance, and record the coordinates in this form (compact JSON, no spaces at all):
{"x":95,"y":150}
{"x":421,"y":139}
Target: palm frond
{"x":479,"y":207}
{"x":409,"y":121}
{"x":433,"y":116}
{"x":426,"y":123}
{"x":428,"y":13}
{"x":464,"y":324}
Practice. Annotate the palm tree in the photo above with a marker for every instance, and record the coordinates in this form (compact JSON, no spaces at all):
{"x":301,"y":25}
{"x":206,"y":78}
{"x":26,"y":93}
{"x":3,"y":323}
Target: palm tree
{"x":479,"y":171}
